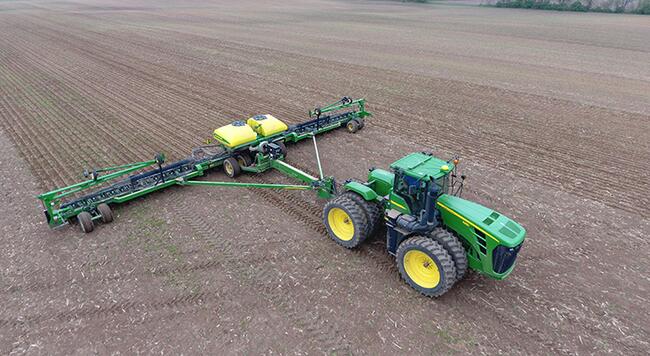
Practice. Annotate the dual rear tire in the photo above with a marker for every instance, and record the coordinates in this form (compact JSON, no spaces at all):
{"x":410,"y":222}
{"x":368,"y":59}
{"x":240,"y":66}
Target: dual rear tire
{"x":372,"y":210}
{"x":346,"y":221}
{"x":350,"y":219}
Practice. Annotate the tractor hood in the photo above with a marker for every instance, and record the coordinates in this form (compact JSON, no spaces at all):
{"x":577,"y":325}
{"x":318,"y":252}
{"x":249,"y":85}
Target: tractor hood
{"x":491,"y":223}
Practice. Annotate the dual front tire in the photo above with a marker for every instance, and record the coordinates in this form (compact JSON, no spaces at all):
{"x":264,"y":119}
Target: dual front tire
{"x":432,"y":264}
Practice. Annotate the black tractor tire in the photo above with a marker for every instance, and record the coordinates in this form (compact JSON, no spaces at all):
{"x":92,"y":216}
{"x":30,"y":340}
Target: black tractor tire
{"x":105,"y":212}
{"x":455,"y":248}
{"x":283,"y":148}
{"x":425,"y":266}
{"x":244,"y":159}
{"x":352,"y":126}
{"x":362,"y":123}
{"x":373,"y":210}
{"x":231,"y":167}
{"x":345,"y":221}
{"x":85,"y":222}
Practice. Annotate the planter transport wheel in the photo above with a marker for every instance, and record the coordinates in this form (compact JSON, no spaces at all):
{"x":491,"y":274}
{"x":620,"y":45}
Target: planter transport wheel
{"x":244,"y":159}
{"x":105,"y":212}
{"x":85,"y":221}
{"x":283,"y":148}
{"x":231,"y":167}
{"x":352,"y":126}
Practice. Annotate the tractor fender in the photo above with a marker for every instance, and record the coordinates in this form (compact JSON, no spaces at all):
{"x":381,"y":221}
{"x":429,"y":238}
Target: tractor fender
{"x":366,"y":192}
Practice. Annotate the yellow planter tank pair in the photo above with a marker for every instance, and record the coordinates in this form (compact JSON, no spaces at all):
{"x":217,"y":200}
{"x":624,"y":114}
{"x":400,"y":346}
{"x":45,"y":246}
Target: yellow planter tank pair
{"x":266,"y":125}
{"x":240,"y":133}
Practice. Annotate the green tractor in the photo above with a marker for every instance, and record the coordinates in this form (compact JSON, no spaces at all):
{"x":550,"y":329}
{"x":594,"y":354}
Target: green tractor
{"x":434,"y":234}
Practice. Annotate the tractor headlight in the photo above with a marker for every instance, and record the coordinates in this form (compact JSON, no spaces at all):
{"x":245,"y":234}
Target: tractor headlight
{"x":504,"y":257}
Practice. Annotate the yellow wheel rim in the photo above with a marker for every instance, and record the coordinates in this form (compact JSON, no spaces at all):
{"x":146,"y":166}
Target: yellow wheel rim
{"x":241,"y":161}
{"x":421,"y":268}
{"x":228,"y":168}
{"x":341,"y":224}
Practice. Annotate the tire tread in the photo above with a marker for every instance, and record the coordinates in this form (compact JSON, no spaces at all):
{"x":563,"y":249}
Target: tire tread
{"x":448,"y":269}
{"x":455,"y":248}
{"x":356,"y":213}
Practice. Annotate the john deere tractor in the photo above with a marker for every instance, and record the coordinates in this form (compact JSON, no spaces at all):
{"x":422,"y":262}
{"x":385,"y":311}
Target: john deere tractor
{"x":434,"y":234}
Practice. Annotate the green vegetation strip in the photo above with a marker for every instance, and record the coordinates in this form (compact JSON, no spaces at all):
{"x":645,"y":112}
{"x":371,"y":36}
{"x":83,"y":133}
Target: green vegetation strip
{"x":643,"y":6}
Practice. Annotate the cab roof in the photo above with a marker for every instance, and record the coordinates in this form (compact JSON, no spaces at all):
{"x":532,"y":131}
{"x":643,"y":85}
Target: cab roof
{"x":422,"y":165}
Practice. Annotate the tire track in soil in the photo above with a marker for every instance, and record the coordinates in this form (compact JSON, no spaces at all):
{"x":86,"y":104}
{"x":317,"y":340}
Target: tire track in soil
{"x":95,"y":312}
{"x":34,"y":285}
{"x":165,"y":316}
{"x":375,"y":250}
{"x":306,"y":213}
{"x":265,"y":281}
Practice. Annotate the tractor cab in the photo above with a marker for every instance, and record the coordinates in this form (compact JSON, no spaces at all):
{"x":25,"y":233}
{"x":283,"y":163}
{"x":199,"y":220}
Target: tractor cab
{"x":418,"y":180}
{"x":415,"y":176}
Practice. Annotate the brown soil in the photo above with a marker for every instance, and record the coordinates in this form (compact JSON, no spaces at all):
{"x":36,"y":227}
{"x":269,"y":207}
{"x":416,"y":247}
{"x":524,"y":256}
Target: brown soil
{"x":548,"y":110}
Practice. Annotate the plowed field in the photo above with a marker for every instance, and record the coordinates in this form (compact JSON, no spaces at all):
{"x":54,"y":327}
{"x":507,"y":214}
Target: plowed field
{"x":549,"y":111}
